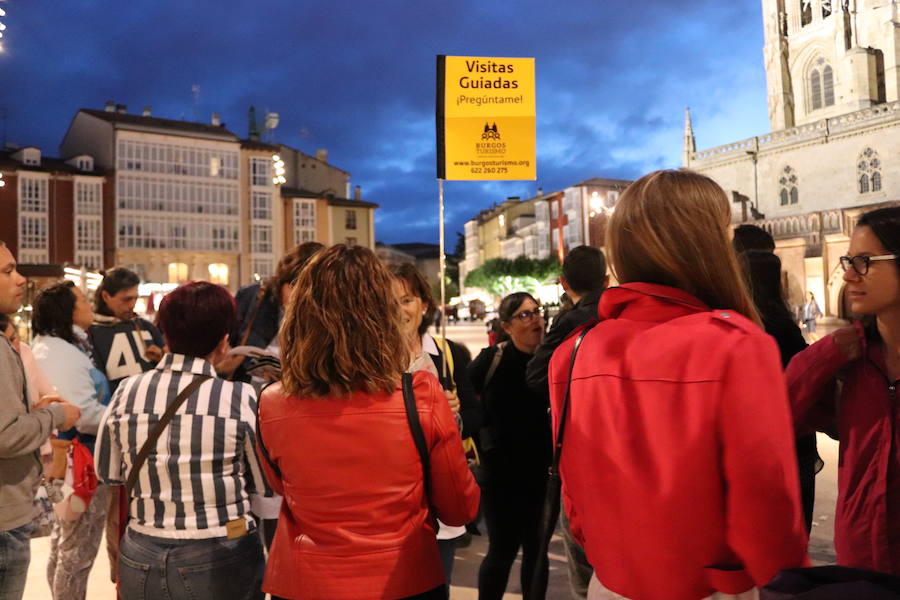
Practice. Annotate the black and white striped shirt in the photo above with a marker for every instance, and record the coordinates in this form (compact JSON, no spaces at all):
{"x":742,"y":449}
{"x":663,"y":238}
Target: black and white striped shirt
{"x":204,"y":467}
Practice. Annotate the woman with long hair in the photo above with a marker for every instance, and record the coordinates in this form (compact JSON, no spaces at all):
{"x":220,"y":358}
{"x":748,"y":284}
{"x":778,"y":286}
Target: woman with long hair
{"x":427,"y":354}
{"x":358,"y":518}
{"x":763,"y":271}
{"x":515,"y":446}
{"x":62,"y":351}
{"x":678,"y":465}
{"x":849,"y":379}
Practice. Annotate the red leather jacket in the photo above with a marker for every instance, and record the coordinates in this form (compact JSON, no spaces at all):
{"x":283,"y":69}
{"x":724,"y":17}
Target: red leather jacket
{"x":678,"y":465}
{"x":867,"y":520}
{"x":355,"y":523}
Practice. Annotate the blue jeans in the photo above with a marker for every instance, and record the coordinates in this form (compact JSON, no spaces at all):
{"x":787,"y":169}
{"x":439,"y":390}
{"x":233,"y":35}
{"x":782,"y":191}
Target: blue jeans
{"x":152,"y":568}
{"x":15,"y":554}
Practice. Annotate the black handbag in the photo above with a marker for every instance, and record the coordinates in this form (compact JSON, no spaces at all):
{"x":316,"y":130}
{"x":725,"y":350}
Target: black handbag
{"x":554,"y":487}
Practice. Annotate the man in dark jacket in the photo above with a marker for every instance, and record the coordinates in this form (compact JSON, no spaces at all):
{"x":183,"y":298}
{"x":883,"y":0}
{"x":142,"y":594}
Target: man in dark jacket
{"x":584,"y":278}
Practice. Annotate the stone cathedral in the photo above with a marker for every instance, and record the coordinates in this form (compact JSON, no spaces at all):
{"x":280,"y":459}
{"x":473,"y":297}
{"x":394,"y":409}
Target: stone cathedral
{"x":833,"y":78}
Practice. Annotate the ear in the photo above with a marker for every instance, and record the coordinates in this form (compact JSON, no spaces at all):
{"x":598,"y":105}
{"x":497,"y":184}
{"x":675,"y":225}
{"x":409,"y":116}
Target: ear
{"x":565,"y":284}
{"x":606,"y":282}
{"x":105,"y":296}
{"x":505,"y":326}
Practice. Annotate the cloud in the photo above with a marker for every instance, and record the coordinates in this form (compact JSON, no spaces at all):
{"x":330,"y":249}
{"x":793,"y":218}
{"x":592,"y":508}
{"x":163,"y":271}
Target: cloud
{"x":358,"y":79}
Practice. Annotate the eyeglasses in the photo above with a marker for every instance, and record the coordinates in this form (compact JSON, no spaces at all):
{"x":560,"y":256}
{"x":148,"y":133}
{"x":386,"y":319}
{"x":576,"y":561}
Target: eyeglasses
{"x":860,"y":264}
{"x":527,"y":315}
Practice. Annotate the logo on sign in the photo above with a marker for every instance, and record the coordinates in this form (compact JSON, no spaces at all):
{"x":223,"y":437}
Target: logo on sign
{"x":490,"y":132}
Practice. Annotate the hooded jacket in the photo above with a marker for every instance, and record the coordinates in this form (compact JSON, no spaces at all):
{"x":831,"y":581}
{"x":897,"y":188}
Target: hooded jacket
{"x":865,"y":409}
{"x":678,"y":465}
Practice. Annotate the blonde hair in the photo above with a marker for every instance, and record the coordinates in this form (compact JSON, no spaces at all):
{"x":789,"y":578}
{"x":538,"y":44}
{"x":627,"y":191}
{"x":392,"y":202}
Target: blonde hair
{"x":342,"y":328}
{"x":672,"y":228}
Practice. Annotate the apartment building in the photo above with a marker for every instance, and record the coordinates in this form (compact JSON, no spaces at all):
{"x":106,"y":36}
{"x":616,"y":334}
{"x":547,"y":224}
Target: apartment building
{"x":51,"y":211}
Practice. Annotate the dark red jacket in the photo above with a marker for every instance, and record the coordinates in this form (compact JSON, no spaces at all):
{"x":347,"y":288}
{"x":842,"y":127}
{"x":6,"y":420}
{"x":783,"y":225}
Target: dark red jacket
{"x":678,"y":464}
{"x":867,"y":520}
{"x":355,"y":522}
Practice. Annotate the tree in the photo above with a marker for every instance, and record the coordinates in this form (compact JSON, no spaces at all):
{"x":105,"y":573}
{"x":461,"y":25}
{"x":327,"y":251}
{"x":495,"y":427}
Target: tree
{"x":502,"y":276}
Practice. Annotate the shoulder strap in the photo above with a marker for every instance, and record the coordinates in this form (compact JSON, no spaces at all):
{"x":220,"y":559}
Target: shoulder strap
{"x":412,"y":415}
{"x":259,"y":298}
{"x":163,"y":422}
{"x":495,"y":362}
{"x":447,"y":351}
{"x":564,"y":411}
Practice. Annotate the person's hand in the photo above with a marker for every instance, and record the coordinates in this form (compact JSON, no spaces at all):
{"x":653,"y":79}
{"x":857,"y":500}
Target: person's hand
{"x":47,"y":400}
{"x":227,"y":365}
{"x":848,"y":342}
{"x":453,"y":400}
{"x":153,"y":353}
{"x":72,"y":412}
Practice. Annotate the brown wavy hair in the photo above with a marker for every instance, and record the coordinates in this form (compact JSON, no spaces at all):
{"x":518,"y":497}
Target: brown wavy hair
{"x":673,"y":228}
{"x":290,"y":265}
{"x":342,"y":329}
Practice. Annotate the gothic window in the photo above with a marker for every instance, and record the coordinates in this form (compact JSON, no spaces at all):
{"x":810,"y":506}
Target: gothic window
{"x":821,"y":85}
{"x":789,"y":194}
{"x":868,"y":171}
{"x":805,"y":12}
{"x":826,"y":8}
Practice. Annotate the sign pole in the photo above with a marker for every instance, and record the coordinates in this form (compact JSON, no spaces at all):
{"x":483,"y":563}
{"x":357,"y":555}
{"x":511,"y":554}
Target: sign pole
{"x":443,"y":267}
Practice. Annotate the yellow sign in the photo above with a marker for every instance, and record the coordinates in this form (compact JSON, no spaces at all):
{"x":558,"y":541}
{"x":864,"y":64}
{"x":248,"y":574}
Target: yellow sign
{"x":485,"y":118}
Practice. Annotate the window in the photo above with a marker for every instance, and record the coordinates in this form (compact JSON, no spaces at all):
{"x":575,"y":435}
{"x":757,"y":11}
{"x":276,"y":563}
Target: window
{"x":85,"y":163}
{"x":32,"y":194}
{"x":178,"y":272}
{"x":218,"y":273}
{"x":88,"y":198}
{"x":868,"y":171}
{"x":350,"y":219}
{"x":826,"y":9}
{"x":788,"y":187}
{"x":260,"y":171}
{"x":304,"y":221}
{"x":88,"y":234}
{"x":554,"y":209}
{"x":805,"y":12}
{"x":262,"y":206}
{"x":33,"y":232}
{"x":821,"y":85}
{"x":175,"y":159}
{"x":262,"y":267}
{"x":261,"y":239}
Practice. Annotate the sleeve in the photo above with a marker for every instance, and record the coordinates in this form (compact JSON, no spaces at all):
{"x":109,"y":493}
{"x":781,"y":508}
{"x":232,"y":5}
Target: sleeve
{"x":108,"y":460}
{"x":256,"y":480}
{"x":763,"y":515}
{"x":23,"y":433}
{"x":470,"y":408}
{"x":454,"y":493}
{"x":810,"y":378}
{"x":272,"y":477}
{"x":70,"y":372}
{"x":478,"y":368}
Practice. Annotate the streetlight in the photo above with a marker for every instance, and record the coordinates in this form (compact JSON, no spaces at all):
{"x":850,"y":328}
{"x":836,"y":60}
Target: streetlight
{"x":2,"y":183}
{"x":278,"y":166}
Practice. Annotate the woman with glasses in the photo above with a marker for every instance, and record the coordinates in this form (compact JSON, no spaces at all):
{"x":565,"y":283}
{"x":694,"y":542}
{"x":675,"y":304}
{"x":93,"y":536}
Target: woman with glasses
{"x":515,"y":446}
{"x":678,"y":466}
{"x":849,"y":379}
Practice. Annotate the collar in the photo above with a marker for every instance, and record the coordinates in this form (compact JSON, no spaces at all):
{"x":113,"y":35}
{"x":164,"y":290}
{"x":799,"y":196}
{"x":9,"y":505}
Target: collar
{"x":648,"y":302}
{"x":105,"y":320}
{"x":589,"y":298}
{"x":429,"y":345}
{"x":186,"y":364}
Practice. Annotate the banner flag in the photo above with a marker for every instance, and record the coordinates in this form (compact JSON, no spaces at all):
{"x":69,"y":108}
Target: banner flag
{"x":485,"y":118}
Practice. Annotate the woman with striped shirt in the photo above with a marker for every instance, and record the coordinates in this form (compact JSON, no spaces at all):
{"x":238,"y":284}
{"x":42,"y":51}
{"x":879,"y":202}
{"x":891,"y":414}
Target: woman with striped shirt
{"x":190,"y":533}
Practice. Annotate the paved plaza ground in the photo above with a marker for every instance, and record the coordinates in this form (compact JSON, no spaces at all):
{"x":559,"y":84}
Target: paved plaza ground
{"x":468,"y":559}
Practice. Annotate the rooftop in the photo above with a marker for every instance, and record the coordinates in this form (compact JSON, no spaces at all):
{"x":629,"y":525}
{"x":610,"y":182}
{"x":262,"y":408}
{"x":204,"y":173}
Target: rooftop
{"x":125,"y":119}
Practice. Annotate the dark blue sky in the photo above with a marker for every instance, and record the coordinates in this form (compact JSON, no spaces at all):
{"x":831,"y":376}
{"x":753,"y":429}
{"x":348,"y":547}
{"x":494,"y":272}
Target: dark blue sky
{"x":357,"y":78}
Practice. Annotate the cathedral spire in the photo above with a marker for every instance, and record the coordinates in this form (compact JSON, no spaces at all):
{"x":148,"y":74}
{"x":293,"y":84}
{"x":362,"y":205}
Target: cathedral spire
{"x":690,"y":144}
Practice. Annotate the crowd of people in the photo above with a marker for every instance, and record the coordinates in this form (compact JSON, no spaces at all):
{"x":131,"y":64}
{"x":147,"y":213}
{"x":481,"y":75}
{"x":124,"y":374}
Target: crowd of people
{"x":680,"y":408}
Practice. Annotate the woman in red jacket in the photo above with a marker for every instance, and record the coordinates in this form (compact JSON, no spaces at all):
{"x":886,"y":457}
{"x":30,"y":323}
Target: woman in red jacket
{"x":865,"y":362}
{"x":357,"y":521}
{"x":678,"y":463}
